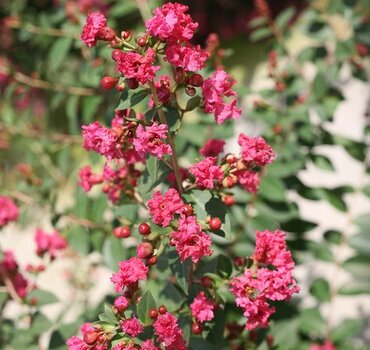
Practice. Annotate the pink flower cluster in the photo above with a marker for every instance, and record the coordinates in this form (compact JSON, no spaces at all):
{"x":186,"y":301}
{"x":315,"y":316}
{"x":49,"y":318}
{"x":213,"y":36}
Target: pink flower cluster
{"x":92,"y":339}
{"x":328,"y":345}
{"x":190,"y":241}
{"x":50,"y":243}
{"x":96,"y":28}
{"x":206,"y":173}
{"x":162,"y":208}
{"x":167,"y":330}
{"x":202,"y":309}
{"x":150,"y":140}
{"x":270,"y":279}
{"x":130,"y":272}
{"x":170,"y":23}
{"x":8,"y":211}
{"x":133,"y":65}
{"x":132,"y":326}
{"x":249,"y":180}
{"x":9,"y":269}
{"x":255,"y":150}
{"x":212,"y":148}
{"x":88,"y":179}
{"x":219,"y":98}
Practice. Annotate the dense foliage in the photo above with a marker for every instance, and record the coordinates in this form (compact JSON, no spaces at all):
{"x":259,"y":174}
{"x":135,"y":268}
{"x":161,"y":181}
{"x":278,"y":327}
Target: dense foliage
{"x":169,"y":188}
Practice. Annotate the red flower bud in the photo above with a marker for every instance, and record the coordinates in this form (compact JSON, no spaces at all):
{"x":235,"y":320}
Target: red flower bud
{"x":107,"y":83}
{"x":144,"y":229}
{"x":215,"y":224}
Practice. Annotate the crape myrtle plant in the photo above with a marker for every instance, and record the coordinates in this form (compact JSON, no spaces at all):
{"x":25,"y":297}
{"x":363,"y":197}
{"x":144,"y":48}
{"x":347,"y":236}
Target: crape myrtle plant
{"x":192,"y":234}
{"x":180,"y":217}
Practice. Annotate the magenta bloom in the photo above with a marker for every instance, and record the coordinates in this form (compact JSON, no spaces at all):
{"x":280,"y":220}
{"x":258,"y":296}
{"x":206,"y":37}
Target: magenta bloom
{"x":132,"y":326}
{"x":88,"y":179}
{"x":255,"y":150}
{"x":148,"y":345}
{"x":206,"y":172}
{"x":212,"y":148}
{"x":10,"y":268}
{"x":162,"y":208}
{"x":249,"y":180}
{"x":134,"y":65}
{"x":254,"y":289}
{"x":219,"y":98}
{"x":151,"y":140}
{"x":190,"y":58}
{"x":167,"y":330}
{"x":49,"y":243}
{"x":96,"y":28}
{"x":328,"y":345}
{"x":99,"y":139}
{"x":130,"y":271}
{"x":202,"y":308}
{"x":170,"y":23}
{"x":8,"y":211}
{"x":191,"y":241}
{"x":121,"y":303}
{"x":88,"y":332}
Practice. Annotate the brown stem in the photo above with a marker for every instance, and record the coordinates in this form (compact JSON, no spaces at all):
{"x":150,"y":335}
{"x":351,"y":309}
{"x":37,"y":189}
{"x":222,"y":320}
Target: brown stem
{"x":162,"y":118}
{"x":46,"y":85}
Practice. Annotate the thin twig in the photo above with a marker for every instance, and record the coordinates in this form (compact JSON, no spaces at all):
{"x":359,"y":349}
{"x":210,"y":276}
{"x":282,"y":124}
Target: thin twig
{"x":46,"y":85}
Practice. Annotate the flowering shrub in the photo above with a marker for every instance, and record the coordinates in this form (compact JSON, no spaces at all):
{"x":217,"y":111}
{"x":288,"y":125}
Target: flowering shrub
{"x":199,"y":233}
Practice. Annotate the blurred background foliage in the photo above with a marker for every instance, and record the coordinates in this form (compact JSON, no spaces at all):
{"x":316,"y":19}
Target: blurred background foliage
{"x":49,"y":84}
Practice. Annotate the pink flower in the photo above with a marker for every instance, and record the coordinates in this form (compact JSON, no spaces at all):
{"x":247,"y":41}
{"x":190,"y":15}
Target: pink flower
{"x":190,"y":58}
{"x":9,"y":267}
{"x":255,"y":150}
{"x":99,"y":139}
{"x":148,"y":345}
{"x":130,"y":271}
{"x":206,"y":172}
{"x":271,"y":249}
{"x":212,"y":148}
{"x":49,"y":243}
{"x":162,"y":87}
{"x":136,"y":66}
{"x":202,"y":308}
{"x":162,"y":208}
{"x":121,"y":303}
{"x":88,"y":179}
{"x":90,"y":335}
{"x":95,"y":29}
{"x":132,"y":326}
{"x":328,"y":345}
{"x":249,"y":180}
{"x":215,"y":89}
{"x":8,"y":211}
{"x":151,"y":140}
{"x":190,"y":241}
{"x":170,"y":23}
{"x":168,"y":332}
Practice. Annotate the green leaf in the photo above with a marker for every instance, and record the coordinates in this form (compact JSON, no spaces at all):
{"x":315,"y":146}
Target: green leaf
{"x":361,"y":242}
{"x":155,"y":173}
{"x":284,"y":17}
{"x":366,"y":190}
{"x":256,"y":22}
{"x":355,"y":287}
{"x":363,"y":221}
{"x":108,"y":316}
{"x":272,"y":188}
{"x":312,"y":323}
{"x":58,"y":52}
{"x":358,"y":266}
{"x":42,"y":297}
{"x":320,"y":289}
{"x":334,"y":198}
{"x":346,"y":330}
{"x":224,"y":266}
{"x":321,"y":251}
{"x":320,"y":86}
{"x":78,"y":239}
{"x":146,"y":303}
{"x":322,"y":162}
{"x":180,"y":271}
{"x":260,"y":34}
{"x":113,"y":252}
{"x":130,"y":99}
{"x":333,"y":236}
{"x":193,"y":103}
{"x":40,"y":324}
{"x":89,"y":106}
